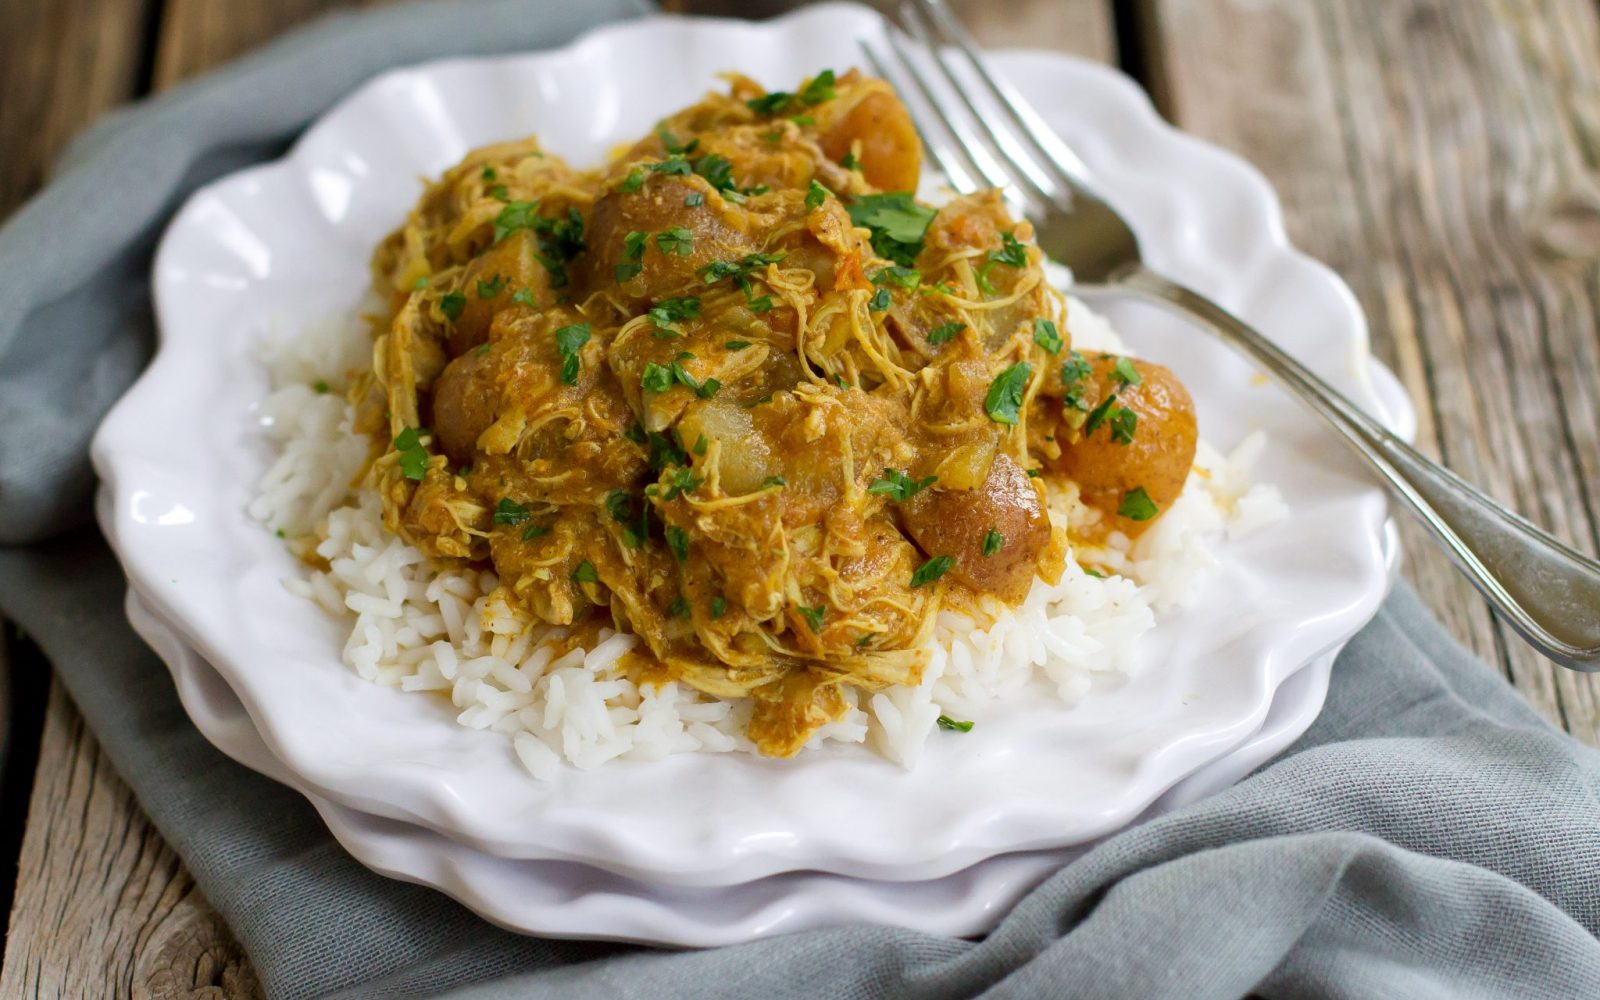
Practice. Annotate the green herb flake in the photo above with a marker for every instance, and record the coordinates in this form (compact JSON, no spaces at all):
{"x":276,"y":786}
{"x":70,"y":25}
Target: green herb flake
{"x":931,"y":570}
{"x":803,"y":120}
{"x":898,"y":486}
{"x":849,"y":161}
{"x":413,"y":456}
{"x":320,"y":387}
{"x":280,"y":533}
{"x":1004,"y":401}
{"x":1074,"y":370}
{"x":533,"y":531}
{"x":1123,"y":423}
{"x":678,"y":240}
{"x":670,"y":141}
{"x":813,"y":616}
{"x":516,"y":215}
{"x":897,"y":223}
{"x":880,"y":300}
{"x":569,"y":341}
{"x":494,"y":286}
{"x":819,"y":88}
{"x":1124,"y":372}
{"x":680,"y":481}
{"x":451,"y":305}
{"x":1137,"y":506}
{"x":954,"y":725}
{"x":524,"y":297}
{"x":672,"y":166}
{"x":739,"y":270}
{"x":419,"y":284}
{"x":717,"y":170}
{"x":719,"y":607}
{"x":488,"y":174}
{"x":678,"y":542}
{"x":694,"y":199}
{"x":816,"y":194}
{"x":1097,"y":416}
{"x":656,"y":378}
{"x":633,"y":182}
{"x":736,"y":345}
{"x":584,"y":573}
{"x":993,"y":542}
{"x":761,"y":305}
{"x":500,"y":193}
{"x":1095,"y":573}
{"x":944,"y":332}
{"x":678,"y":608}
{"x":861,"y":643}
{"x":508,"y":511}
{"x":774,"y":482}
{"x":1046,"y":335}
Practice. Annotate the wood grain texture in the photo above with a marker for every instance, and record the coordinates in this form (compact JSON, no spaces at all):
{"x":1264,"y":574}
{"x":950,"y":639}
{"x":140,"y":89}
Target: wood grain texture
{"x":103,"y":907}
{"x":1442,"y":157}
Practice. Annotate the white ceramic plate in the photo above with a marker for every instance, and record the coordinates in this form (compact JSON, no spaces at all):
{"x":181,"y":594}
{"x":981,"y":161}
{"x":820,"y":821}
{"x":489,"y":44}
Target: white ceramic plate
{"x":564,"y":899}
{"x":283,"y":244}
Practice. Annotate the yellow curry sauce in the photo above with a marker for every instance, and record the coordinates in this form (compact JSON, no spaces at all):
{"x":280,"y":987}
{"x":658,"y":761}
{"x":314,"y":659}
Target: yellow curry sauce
{"x":738,"y":393}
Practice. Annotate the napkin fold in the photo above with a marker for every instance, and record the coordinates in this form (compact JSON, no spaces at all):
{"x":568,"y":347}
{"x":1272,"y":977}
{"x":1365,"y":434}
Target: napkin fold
{"x":1429,"y":836}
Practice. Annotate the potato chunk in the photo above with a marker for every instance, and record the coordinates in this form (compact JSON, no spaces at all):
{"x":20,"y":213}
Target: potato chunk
{"x":957,"y":523}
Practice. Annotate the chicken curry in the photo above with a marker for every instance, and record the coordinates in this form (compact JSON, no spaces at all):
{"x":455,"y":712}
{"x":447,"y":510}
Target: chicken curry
{"x":739,"y":393}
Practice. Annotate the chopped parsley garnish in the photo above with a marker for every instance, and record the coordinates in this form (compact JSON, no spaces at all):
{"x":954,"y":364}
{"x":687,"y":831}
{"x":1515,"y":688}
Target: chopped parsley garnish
{"x":897,"y":224}
{"x":523,"y":297}
{"x":656,"y":378}
{"x":736,"y":345}
{"x":761,"y":305}
{"x":1074,"y":370}
{"x":619,"y":505}
{"x":1097,"y":416}
{"x":770,"y":103}
{"x":803,"y":119}
{"x":584,"y":573}
{"x":671,"y":142}
{"x":1123,"y":423}
{"x":633,"y":182}
{"x":413,"y":456}
{"x":1004,"y":401}
{"x":660,"y":378}
{"x":694,"y":199}
{"x":508,"y":511}
{"x":816,"y":194}
{"x":678,"y":240}
{"x":680,"y":481}
{"x":488,"y":174}
{"x":451,"y":305}
{"x":678,"y":608}
{"x":500,"y":193}
{"x":1137,"y":506}
{"x":701,"y":445}
{"x":320,"y":387}
{"x":993,"y":542}
{"x":516,"y":215}
{"x":1011,"y":254}
{"x":533,"y":531}
{"x":813,"y":616}
{"x":1124,"y":372}
{"x":482,"y":349}
{"x":1035,"y":473}
{"x":419,"y":284}
{"x":739,"y":270}
{"x":839,"y":381}
{"x":880,"y":300}
{"x":1046,"y":336}
{"x":899,"y":486}
{"x":932,"y":570}
{"x":672,"y":166}
{"x":861,"y":643}
{"x":772,"y":481}
{"x":668,"y":312}
{"x":494,"y":286}
{"x":717,"y":170}
{"x":944,"y":332}
{"x":719,"y":607}
{"x":849,"y":161}
{"x":570,"y":340}
{"x":901,"y":277}
{"x":954,"y":725}
{"x":819,"y":89}
{"x":632,"y":253}
{"x":678,"y":542}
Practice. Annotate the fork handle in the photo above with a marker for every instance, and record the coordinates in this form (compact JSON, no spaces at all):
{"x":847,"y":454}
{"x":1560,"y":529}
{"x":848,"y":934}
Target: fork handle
{"x":1549,"y":592}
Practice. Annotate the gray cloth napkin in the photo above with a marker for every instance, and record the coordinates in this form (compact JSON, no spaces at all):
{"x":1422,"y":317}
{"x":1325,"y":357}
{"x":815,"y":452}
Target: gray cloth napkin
{"x":1428,"y":837}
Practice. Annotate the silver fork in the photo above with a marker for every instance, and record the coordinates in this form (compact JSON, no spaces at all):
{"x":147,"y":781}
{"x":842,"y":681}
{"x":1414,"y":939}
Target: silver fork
{"x":1546,"y":590}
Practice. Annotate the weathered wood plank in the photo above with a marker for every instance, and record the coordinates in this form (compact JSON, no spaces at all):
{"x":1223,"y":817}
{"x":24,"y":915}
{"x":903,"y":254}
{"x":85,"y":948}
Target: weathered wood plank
{"x":1440,"y":156}
{"x":103,"y":906}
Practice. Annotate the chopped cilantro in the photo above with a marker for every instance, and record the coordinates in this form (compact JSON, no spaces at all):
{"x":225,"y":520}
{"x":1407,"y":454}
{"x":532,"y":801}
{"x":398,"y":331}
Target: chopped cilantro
{"x":694,"y":199}
{"x":508,"y":511}
{"x":451,"y":305}
{"x":494,"y":286}
{"x":701,"y":445}
{"x":1097,"y":416}
{"x":816,"y":194}
{"x":678,"y":608}
{"x":680,"y":481}
{"x":773,"y":481}
{"x":944,"y":332}
{"x":717,"y":170}
{"x":569,"y":341}
{"x":1137,"y":506}
{"x":500,"y":193}
{"x":1124,"y":372}
{"x":993,"y":542}
{"x":899,"y":486}
{"x":633,"y":182}
{"x":739,"y":270}
{"x":488,"y":174}
{"x":719,"y":607}
{"x":678,"y":240}
{"x":675,"y":310}
{"x":1074,"y":370}
{"x":320,"y":387}
{"x":533,"y":531}
{"x":849,"y":161}
{"x":678,"y":542}
{"x":803,"y":119}
{"x":1123,"y":423}
{"x":656,"y":378}
{"x":901,"y":277}
{"x":1035,"y":473}
{"x":671,"y":142}
{"x":1046,"y":336}
{"x":524,"y":297}
{"x":931,"y":570}
{"x":761,"y":305}
{"x":813,"y":616}
{"x":880,"y":300}
{"x":736,"y":345}
{"x":819,"y":89}
{"x":770,"y":103}
{"x":1004,"y":401}
{"x":413,"y":456}
{"x":897,"y":224}
{"x":584,"y":573}
{"x":954,"y":725}
{"x":516,"y":215}
{"x":672,"y":166}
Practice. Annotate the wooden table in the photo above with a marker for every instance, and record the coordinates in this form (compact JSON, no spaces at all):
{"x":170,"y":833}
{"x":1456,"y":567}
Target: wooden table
{"x":1442,"y":156}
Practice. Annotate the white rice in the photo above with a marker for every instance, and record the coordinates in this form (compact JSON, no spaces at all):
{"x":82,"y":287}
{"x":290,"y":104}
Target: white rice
{"x":419,"y":628}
